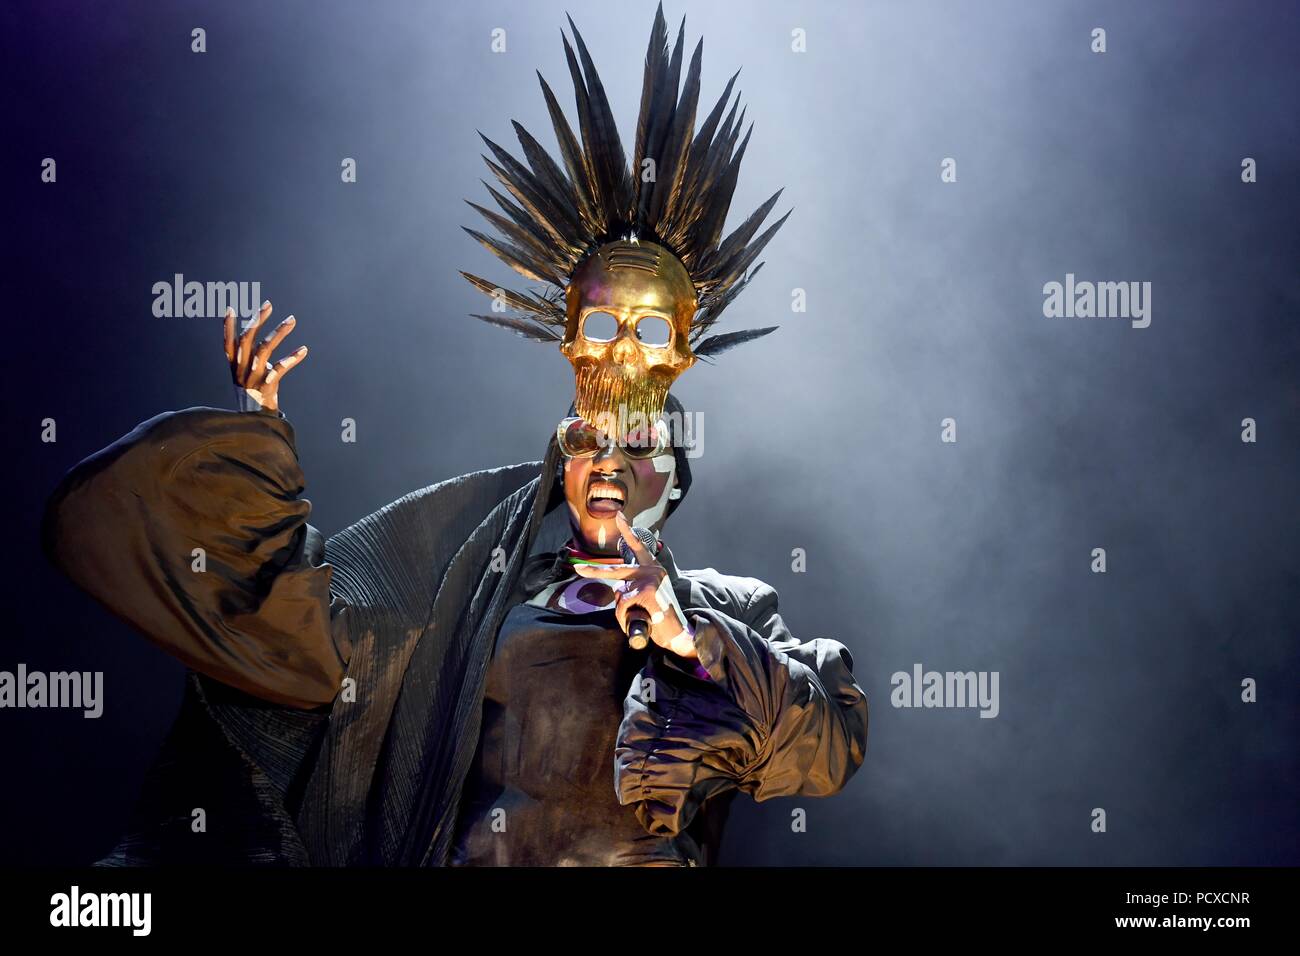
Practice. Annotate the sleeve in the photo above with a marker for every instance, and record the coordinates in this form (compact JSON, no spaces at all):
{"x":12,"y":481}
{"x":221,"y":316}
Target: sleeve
{"x":192,"y":529}
{"x":777,"y":718}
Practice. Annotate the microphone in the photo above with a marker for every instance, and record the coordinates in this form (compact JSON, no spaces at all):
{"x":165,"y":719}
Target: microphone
{"x":638,"y":625}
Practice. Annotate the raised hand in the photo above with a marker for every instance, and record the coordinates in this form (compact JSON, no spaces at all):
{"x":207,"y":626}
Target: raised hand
{"x":250,"y":367}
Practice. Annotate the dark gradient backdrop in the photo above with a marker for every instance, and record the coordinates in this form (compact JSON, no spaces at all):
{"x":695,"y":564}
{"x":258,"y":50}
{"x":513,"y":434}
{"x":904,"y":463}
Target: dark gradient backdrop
{"x":1119,"y":691}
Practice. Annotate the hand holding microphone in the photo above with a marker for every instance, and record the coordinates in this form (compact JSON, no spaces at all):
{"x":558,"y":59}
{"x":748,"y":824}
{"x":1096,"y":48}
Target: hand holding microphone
{"x":647,"y":609}
{"x":638,"y":621}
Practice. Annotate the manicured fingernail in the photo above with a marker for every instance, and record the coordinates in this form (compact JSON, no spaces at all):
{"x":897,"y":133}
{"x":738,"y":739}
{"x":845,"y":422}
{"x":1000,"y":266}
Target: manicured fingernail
{"x":290,"y":320}
{"x":266,"y":304}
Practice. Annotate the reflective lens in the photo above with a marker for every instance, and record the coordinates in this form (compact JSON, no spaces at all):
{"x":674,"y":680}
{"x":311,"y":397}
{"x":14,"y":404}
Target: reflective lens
{"x":643,"y":442}
{"x":579,"y":439}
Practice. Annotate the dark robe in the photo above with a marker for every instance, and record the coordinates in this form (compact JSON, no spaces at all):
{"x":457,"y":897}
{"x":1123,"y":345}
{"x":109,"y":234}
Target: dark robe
{"x":336,"y":699}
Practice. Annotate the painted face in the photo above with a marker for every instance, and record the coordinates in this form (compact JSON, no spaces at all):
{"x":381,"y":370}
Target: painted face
{"x":598,"y":487}
{"x":629,"y":309}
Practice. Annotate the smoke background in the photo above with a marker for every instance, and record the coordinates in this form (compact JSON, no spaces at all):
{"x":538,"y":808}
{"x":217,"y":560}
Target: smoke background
{"x":924,"y":301}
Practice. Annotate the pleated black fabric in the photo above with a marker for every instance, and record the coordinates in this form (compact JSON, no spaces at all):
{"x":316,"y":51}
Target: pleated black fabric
{"x":424,"y":603}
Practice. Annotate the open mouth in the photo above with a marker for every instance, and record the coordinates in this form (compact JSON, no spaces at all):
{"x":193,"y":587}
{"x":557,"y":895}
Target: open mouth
{"x":605,"y":498}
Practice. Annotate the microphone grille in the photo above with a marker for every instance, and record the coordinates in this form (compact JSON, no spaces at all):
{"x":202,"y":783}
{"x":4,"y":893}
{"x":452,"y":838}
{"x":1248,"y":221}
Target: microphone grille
{"x":645,"y":536}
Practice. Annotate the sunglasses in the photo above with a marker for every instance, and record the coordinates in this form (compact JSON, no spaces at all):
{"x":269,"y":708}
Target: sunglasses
{"x":581,"y":439}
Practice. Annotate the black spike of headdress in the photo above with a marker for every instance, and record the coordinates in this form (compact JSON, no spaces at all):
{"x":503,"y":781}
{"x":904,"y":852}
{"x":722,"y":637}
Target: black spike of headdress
{"x":557,"y":213}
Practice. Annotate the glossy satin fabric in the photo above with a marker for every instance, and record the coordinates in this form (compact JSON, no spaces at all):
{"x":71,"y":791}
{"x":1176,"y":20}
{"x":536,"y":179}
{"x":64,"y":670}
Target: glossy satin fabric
{"x":401,"y":611}
{"x":541,"y":790}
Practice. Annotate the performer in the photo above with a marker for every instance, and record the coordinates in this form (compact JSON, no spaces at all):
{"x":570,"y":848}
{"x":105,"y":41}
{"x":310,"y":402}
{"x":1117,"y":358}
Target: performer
{"x":450,"y":681}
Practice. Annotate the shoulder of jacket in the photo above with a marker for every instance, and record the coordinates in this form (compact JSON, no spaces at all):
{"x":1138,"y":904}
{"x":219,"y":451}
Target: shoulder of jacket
{"x":735,"y":591}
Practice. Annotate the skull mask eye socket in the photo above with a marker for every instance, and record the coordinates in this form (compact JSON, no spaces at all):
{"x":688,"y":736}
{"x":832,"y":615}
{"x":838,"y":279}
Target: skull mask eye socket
{"x":654,"y":331}
{"x":600,"y":327}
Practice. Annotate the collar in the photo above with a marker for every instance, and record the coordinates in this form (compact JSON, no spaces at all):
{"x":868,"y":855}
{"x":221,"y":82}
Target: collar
{"x":666,"y":559}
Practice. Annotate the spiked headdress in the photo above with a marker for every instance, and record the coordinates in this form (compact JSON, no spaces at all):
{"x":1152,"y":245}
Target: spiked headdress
{"x":563,"y":216}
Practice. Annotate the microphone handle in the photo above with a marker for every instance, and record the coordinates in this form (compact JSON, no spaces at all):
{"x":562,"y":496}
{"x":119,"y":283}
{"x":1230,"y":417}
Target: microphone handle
{"x":638,"y":631}
{"x":638,"y":625}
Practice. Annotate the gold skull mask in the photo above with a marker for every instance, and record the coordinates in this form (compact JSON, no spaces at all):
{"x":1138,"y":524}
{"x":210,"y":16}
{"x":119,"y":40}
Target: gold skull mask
{"x":629,"y":308}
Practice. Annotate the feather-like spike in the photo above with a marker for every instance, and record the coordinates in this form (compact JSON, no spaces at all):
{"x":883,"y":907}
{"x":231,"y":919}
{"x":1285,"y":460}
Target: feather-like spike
{"x":607,"y":148}
{"x":709,"y":229}
{"x":556,"y":218}
{"x":672,"y":84}
{"x":526,"y":328}
{"x":521,"y":237}
{"x":649,"y":196}
{"x":704,"y":167}
{"x":729,"y":126}
{"x":724,"y":143}
{"x":732,"y":145}
{"x":518,"y":259}
{"x":520,"y":216}
{"x":528,"y":200}
{"x":727,"y":272}
{"x":715,"y":345}
{"x":741,"y":234}
{"x":652,"y":91}
{"x":697,"y":162}
{"x":548,"y":172}
{"x":570,"y":151}
{"x":705,"y":192}
{"x":715,"y":301}
{"x":599,"y":200}
{"x":534,"y":306}
{"x":663,"y":110}
{"x":705,"y":135}
{"x":677,"y":145}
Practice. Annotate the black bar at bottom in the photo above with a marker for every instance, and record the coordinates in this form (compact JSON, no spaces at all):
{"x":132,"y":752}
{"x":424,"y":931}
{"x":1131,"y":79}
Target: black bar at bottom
{"x":330,"y":906}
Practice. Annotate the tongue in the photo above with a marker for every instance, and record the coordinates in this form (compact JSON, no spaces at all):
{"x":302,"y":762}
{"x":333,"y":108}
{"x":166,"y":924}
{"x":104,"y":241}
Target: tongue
{"x":604,"y":506}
